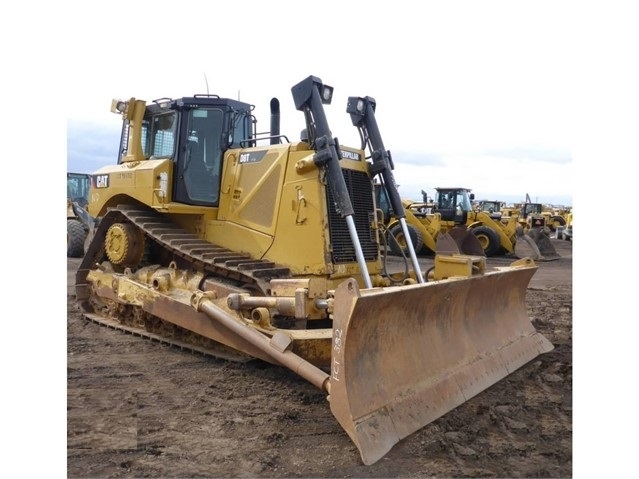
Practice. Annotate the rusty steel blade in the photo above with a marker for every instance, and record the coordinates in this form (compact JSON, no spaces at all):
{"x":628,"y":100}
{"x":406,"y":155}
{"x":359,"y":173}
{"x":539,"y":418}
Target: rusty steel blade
{"x":404,"y":356}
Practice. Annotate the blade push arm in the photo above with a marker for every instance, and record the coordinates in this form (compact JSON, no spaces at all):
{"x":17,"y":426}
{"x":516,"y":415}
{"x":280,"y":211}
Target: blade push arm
{"x":362,"y":111}
{"x":310,"y":95}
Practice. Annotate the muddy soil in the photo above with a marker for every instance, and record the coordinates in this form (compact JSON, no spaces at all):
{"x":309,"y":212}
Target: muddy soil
{"x":138,"y":408}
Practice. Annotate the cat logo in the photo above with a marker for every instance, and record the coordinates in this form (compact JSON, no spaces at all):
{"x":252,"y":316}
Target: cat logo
{"x":101,"y":181}
{"x":351,"y":155}
{"x":252,"y":157}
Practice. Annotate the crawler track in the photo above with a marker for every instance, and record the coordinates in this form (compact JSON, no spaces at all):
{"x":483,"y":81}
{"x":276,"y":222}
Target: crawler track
{"x":197,"y":253}
{"x":200,"y":253}
{"x":181,"y":345}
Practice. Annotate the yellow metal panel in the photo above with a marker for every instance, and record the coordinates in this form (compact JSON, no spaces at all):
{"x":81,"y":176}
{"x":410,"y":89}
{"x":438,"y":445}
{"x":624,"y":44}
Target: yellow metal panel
{"x":283,"y":208}
{"x":238,"y":238}
{"x":137,"y":180}
{"x":251,"y":189}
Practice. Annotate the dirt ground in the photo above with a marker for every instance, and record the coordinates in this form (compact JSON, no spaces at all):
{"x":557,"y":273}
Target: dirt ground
{"x":137,"y":408}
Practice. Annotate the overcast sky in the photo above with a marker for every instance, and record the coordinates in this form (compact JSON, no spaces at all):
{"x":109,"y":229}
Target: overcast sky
{"x":472,"y":94}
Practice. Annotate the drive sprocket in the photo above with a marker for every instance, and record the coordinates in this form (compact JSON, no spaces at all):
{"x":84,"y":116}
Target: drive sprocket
{"x":124,"y":244}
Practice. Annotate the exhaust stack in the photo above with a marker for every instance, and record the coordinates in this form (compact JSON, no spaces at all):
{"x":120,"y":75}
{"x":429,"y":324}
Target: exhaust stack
{"x":275,"y":121}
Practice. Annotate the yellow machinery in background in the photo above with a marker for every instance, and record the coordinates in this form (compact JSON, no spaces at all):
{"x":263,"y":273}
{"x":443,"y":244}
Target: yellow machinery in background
{"x":424,"y":227}
{"x":476,"y":231}
{"x":77,"y":198}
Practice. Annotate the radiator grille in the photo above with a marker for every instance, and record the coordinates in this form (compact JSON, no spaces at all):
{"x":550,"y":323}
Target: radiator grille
{"x":360,"y":190}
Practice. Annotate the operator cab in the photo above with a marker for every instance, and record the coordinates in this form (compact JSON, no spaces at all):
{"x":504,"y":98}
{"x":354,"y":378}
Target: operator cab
{"x":193,"y":132}
{"x":78,"y":185}
{"x":493,"y":208}
{"x":453,"y":204}
{"x":383,"y":203}
{"x":531,"y":208}
{"x":533,"y":214}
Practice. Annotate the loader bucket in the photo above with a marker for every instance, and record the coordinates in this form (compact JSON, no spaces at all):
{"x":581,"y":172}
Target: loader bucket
{"x":466,"y":241}
{"x":535,"y":245}
{"x":446,"y":245}
{"x":404,"y":356}
{"x":546,"y":249}
{"x":525,"y":247}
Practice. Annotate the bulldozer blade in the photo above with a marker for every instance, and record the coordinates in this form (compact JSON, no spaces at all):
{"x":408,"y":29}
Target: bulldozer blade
{"x":466,"y":241}
{"x":404,"y":356}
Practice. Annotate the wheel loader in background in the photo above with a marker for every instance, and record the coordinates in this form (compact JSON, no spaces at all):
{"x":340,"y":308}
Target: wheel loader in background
{"x":425,"y":226}
{"x":555,"y":221}
{"x":513,"y":234}
{"x":495,"y":236}
{"x":251,"y":245}
{"x":534,"y":223}
{"x":565,"y":232}
{"x":561,"y":215}
{"x":492,"y":207}
{"x":77,"y":198}
{"x":476,"y":232}
{"x":538,"y":215}
{"x":532,"y":216}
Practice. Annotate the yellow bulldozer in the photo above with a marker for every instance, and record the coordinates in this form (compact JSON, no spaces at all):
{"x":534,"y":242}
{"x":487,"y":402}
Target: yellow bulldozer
{"x":247,"y":244}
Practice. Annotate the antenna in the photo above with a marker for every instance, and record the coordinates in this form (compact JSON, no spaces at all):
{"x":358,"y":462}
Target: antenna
{"x":207,"y":84}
